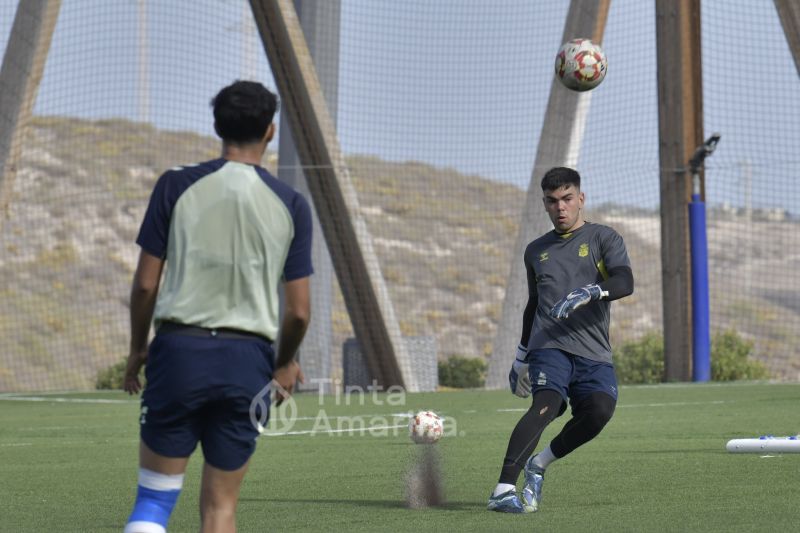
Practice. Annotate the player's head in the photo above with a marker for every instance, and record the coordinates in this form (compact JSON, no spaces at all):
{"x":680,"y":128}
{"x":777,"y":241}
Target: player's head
{"x":243,"y":113}
{"x":563,"y":199}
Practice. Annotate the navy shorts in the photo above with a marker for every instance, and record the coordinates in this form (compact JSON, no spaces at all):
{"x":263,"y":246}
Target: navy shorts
{"x":202,"y":389}
{"x":572,"y":376}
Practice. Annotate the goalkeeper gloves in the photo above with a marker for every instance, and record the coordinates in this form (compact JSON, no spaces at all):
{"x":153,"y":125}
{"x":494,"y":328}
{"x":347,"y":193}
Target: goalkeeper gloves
{"x":577,"y":298}
{"x":518,"y":378}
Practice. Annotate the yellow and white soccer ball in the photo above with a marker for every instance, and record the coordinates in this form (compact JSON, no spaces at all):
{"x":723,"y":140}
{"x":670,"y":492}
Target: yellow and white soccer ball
{"x":581,"y":65}
{"x":425,"y":427}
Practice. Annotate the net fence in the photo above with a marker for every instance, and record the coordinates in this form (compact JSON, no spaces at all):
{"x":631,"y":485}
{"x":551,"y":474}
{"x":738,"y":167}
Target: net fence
{"x":439,"y":108}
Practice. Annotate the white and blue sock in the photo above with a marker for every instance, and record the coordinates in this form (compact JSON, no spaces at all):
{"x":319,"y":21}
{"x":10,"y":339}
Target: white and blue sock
{"x":156,"y":496}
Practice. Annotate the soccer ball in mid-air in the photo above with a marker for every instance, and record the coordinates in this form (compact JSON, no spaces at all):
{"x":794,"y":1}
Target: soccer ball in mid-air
{"x":425,"y":427}
{"x":581,"y":65}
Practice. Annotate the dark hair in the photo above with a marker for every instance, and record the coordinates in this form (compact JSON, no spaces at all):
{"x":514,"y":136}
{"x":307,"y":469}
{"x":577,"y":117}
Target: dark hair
{"x":558,"y":177}
{"x":243,"y":111}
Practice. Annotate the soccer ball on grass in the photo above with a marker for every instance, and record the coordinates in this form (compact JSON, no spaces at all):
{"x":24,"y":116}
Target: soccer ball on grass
{"x":581,"y":65}
{"x":425,"y":427}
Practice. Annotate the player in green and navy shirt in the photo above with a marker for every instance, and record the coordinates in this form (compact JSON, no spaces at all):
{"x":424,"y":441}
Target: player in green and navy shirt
{"x":574,"y":272}
{"x":229,"y":236}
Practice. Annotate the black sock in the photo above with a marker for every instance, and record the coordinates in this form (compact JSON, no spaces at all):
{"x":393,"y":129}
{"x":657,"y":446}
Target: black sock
{"x":546,"y":407}
{"x":589,"y":417}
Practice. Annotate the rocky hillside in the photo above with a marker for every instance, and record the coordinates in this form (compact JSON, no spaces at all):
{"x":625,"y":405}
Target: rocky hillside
{"x":67,"y":254}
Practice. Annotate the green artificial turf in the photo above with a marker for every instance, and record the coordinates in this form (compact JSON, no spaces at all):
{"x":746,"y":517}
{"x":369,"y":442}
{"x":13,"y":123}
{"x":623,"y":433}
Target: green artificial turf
{"x":660,"y":465}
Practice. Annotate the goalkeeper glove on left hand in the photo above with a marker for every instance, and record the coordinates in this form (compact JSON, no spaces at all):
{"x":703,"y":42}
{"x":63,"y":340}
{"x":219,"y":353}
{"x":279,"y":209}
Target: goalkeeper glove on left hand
{"x":577,"y":298}
{"x":518,"y":378}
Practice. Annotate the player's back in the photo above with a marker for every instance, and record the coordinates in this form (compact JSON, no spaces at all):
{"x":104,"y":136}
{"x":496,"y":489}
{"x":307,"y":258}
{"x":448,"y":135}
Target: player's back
{"x":230,"y":228}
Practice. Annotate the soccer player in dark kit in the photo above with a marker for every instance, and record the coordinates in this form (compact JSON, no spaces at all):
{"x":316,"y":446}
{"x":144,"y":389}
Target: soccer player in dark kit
{"x":574,"y":272}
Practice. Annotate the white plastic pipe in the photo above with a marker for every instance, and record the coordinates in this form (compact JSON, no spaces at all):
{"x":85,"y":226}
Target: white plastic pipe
{"x":765,"y":444}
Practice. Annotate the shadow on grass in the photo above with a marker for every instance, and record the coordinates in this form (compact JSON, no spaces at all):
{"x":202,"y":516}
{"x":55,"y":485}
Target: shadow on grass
{"x":384,"y":504}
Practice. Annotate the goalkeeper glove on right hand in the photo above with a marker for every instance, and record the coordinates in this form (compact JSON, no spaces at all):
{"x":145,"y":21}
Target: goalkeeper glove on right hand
{"x":518,"y":378}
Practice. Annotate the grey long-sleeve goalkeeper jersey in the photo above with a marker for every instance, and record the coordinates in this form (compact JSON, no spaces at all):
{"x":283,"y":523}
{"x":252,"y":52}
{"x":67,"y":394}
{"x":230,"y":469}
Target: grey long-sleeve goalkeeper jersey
{"x":560,"y":263}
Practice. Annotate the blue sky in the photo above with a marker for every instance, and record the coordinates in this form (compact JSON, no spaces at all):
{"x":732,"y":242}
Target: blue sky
{"x":454,"y":83}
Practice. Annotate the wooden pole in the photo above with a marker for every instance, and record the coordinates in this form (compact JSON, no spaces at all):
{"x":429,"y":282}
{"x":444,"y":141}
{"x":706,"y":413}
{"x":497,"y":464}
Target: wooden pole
{"x":559,"y":144}
{"x":789,"y":13}
{"x":355,"y":262}
{"x":680,"y":124}
{"x":320,"y":22}
{"x":20,"y":75}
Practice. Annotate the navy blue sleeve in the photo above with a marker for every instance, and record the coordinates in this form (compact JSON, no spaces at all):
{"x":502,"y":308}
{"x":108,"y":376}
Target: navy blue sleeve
{"x":298,"y":261}
{"x":155,"y":226}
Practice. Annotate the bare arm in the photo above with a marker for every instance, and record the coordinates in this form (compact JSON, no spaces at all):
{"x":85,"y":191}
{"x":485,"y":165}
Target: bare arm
{"x":297,"y":314}
{"x":143,"y":300}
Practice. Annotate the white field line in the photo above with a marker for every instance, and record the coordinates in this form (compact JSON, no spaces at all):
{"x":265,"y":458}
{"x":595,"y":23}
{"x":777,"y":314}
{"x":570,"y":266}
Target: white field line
{"x":58,"y":393}
{"x":357,"y":430}
{"x":677,"y":404}
{"x":59,"y":428}
{"x":363,"y":429}
{"x":348,"y":430}
{"x":639,"y":405}
{"x":61,"y":400}
{"x":327,"y":418}
{"x":408,"y":414}
{"x":15,"y":398}
{"x":374,"y":415}
{"x":712,"y":384}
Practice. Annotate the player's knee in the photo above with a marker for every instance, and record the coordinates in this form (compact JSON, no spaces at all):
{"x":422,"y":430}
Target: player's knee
{"x":547,"y":404}
{"x":600,"y":409}
{"x":156,"y":497}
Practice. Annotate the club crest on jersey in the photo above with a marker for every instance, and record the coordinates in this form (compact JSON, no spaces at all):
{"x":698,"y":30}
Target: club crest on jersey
{"x":544,"y":256}
{"x":583,"y":250}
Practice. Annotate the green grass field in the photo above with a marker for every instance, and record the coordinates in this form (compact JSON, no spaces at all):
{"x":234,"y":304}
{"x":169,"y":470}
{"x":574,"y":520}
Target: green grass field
{"x":660,"y":465}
